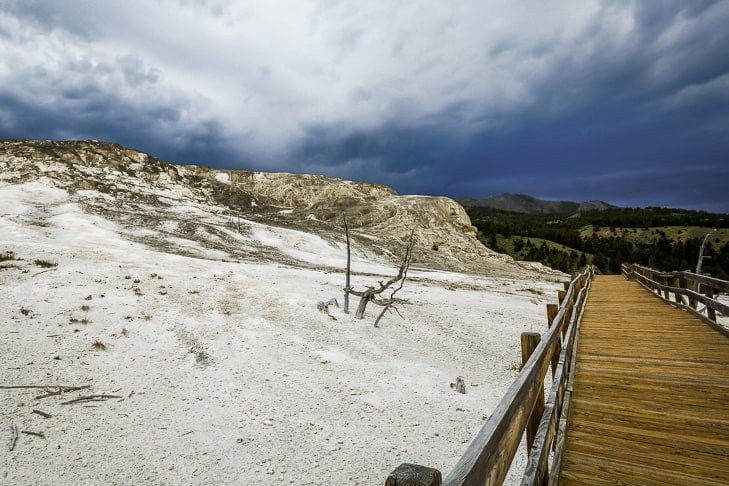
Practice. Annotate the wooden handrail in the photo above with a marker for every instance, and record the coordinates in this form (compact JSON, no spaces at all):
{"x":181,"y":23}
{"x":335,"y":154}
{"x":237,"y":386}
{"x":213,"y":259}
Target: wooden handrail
{"x":696,"y":288}
{"x":489,"y":456}
{"x":556,"y":411}
{"x":488,"y":459}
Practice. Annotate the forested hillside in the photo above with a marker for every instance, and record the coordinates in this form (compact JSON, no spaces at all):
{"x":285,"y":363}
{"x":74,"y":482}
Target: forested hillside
{"x":666,"y":239}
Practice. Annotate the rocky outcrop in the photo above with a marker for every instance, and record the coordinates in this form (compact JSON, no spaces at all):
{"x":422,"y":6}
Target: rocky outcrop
{"x":157,"y":201}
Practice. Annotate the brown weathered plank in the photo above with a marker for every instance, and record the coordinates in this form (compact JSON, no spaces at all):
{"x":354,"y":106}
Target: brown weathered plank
{"x":650,"y":398}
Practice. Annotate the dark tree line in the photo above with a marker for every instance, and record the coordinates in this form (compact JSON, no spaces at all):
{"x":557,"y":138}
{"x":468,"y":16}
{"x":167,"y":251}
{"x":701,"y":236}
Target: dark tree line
{"x":607,"y":252}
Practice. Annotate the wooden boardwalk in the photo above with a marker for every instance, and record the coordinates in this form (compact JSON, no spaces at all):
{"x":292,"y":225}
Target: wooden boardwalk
{"x":650,"y":402}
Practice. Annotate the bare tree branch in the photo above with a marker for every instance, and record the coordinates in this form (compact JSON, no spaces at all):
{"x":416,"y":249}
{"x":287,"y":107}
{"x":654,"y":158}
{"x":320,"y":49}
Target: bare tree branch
{"x":371,"y":293}
{"x":347,"y":289}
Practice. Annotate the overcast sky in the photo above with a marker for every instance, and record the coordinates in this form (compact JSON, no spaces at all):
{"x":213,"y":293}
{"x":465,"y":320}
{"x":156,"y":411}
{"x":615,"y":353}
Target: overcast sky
{"x":623,"y":101}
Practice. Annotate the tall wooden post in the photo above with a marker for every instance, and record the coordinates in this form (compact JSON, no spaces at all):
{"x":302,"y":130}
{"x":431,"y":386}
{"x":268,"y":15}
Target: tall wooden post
{"x":529,"y":342}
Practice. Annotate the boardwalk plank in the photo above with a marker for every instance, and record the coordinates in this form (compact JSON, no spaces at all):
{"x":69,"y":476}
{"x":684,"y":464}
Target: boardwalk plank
{"x":650,"y":402}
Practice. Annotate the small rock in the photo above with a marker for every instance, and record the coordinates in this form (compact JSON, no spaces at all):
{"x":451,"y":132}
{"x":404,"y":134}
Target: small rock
{"x":268,"y":422}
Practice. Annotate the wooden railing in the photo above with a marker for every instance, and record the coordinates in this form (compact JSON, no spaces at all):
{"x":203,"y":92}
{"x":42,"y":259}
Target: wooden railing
{"x":684,"y":289}
{"x":488,"y":459}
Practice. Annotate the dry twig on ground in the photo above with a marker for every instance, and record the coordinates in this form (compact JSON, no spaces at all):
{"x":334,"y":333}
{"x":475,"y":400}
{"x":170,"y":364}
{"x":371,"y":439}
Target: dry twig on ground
{"x":90,"y":398}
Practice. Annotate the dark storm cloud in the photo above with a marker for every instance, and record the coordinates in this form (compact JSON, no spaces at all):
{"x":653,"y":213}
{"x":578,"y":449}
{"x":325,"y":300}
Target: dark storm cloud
{"x":565,"y":100}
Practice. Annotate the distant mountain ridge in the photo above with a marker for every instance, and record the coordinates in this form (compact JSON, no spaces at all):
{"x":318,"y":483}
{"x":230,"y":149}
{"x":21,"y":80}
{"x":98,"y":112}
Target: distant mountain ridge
{"x":522,"y":203}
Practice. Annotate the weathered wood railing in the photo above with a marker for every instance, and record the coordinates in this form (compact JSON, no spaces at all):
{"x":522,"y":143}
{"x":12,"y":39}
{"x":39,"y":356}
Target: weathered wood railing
{"x":688,"y":289}
{"x":488,"y":459}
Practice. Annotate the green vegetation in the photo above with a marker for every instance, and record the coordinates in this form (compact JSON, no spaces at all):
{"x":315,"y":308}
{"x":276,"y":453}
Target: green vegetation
{"x":666,"y":239}
{"x":45,"y":263}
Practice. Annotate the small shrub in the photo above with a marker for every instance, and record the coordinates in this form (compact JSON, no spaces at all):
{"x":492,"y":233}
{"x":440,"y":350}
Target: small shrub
{"x":434,"y":247}
{"x":85,"y":308}
{"x":514,"y":366}
{"x":99,"y":345}
{"x":124,"y":332}
{"x":45,"y":263}
{"x":24,"y":311}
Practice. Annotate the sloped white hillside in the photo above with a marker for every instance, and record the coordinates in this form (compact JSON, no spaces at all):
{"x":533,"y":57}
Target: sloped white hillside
{"x":218,"y":367}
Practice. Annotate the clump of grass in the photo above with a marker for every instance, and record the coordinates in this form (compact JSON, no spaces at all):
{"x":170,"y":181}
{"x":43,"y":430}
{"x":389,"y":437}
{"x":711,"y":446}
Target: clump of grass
{"x":128,"y":277}
{"x":138,"y":292}
{"x":24,"y":311}
{"x":7,"y":255}
{"x":99,"y":345}
{"x":124,"y":332}
{"x":534,"y":291}
{"x":85,"y":308}
{"x":515,"y":366}
{"x":45,"y":263}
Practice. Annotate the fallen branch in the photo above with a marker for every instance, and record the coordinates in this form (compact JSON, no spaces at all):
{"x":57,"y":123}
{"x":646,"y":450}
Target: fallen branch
{"x":43,"y":271}
{"x":66,"y":388}
{"x":42,"y":414}
{"x":324,"y":307}
{"x":37,"y":434}
{"x":13,"y":436}
{"x":90,"y":398}
{"x":62,"y":389}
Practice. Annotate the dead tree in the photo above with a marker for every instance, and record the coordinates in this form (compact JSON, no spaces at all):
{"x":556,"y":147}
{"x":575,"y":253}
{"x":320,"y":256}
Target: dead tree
{"x":347,"y":288}
{"x":374,"y":294}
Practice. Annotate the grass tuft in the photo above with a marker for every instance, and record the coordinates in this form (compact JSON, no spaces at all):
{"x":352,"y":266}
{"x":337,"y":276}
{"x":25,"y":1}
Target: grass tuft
{"x":45,"y":263}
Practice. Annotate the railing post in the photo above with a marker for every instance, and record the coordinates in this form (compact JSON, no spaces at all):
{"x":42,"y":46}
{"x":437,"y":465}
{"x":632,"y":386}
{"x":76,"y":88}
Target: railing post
{"x":709,"y":292}
{"x":692,"y":299}
{"x":413,"y":475}
{"x":676,"y":282}
{"x":529,"y":341}
{"x":552,"y":310}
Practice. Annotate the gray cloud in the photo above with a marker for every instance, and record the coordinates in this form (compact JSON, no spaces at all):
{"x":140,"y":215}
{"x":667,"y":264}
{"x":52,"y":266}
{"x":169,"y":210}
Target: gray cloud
{"x":328,"y":84}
